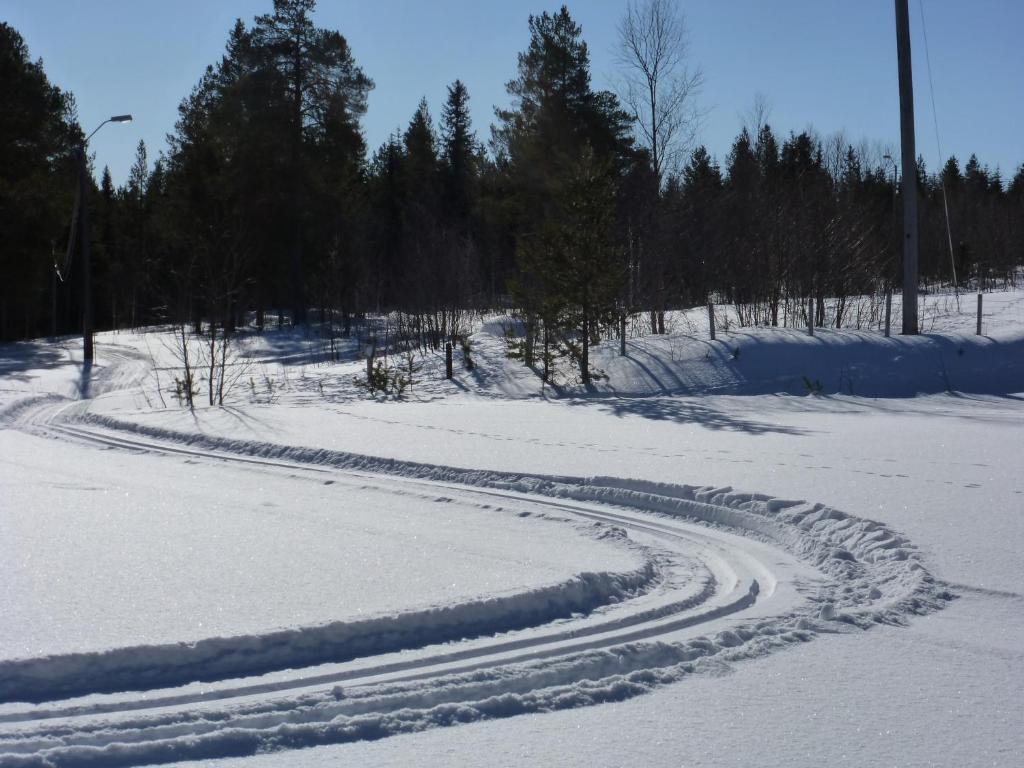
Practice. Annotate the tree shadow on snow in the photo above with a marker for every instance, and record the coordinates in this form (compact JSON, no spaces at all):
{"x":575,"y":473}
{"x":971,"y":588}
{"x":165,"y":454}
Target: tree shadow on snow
{"x":683,"y":411}
{"x":18,"y":360}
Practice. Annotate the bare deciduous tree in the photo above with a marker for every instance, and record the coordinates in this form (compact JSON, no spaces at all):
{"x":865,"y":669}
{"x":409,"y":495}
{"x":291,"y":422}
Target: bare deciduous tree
{"x":758,"y":115}
{"x":659,"y":87}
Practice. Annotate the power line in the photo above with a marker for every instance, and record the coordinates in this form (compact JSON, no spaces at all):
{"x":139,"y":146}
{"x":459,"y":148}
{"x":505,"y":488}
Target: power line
{"x":938,"y":145}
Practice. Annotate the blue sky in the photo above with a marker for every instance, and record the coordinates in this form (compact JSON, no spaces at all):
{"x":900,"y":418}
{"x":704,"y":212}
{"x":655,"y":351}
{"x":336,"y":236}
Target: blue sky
{"x":829,"y":64}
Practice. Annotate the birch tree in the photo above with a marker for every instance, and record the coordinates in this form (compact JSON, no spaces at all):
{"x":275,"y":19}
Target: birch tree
{"x":659,"y":86}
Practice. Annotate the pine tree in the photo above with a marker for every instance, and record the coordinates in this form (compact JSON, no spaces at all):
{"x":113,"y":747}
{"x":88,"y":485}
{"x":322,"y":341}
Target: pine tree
{"x":556,"y":126}
{"x":135,"y":253}
{"x":321,"y":84}
{"x":576,"y":260}
{"x":106,"y":255}
{"x":745,"y":210}
{"x":385,"y":192}
{"x":268,"y":157}
{"x":1016,"y":187}
{"x":39,"y":136}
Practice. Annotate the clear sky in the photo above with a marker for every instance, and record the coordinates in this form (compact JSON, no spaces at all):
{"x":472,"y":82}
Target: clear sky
{"x":827,"y":64}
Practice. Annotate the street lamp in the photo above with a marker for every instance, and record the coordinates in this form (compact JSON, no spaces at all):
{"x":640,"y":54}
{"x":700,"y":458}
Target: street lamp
{"x":114,"y":119}
{"x":895,"y":167}
{"x":84,"y":240}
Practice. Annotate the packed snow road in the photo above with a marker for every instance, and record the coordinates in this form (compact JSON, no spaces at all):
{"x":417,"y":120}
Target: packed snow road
{"x":689,"y":574}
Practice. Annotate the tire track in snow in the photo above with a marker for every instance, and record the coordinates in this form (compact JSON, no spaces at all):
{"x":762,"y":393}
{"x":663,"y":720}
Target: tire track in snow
{"x":873,"y":575}
{"x":745,"y":591}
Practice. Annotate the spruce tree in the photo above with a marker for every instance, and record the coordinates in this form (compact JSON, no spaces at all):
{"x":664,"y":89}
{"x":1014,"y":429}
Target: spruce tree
{"x":700,"y":222}
{"x":458,"y":155}
{"x":421,"y":258}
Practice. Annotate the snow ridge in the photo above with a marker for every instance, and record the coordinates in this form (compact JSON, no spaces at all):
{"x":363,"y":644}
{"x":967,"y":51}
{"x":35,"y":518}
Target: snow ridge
{"x":12,"y":413}
{"x":217,"y":658}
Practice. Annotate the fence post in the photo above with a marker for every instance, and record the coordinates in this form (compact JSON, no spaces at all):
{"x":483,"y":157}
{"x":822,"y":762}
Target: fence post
{"x":711,"y":319}
{"x":979,"y":313}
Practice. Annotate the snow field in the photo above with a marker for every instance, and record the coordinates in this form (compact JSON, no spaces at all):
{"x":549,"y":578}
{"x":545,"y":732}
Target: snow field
{"x":866,"y":574}
{"x":945,"y":470}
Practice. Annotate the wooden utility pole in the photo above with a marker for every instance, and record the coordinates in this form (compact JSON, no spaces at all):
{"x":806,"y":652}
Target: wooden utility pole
{"x":909,"y":157}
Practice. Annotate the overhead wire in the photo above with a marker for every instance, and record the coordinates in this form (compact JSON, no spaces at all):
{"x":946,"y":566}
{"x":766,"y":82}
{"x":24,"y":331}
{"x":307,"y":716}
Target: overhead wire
{"x":938,"y":145}
{"x":63,"y":272}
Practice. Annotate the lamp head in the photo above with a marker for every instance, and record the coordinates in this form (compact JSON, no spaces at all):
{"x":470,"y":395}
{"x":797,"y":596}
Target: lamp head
{"x":121,"y":119}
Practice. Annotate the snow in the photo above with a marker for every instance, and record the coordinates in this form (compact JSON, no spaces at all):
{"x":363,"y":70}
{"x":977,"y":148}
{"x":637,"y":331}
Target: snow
{"x":33,"y":369}
{"x":769,"y":576}
{"x":902,"y":461}
{"x":931,"y":694}
{"x":153,"y":555}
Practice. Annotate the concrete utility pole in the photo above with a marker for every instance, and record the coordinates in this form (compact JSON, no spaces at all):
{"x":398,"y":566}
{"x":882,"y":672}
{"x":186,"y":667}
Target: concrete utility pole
{"x":909,"y":157}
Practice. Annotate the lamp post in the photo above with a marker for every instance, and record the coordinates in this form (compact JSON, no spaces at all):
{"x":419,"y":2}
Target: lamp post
{"x":84,"y":239}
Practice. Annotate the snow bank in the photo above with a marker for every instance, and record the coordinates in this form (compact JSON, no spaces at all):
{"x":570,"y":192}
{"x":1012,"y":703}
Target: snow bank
{"x":759,"y":361}
{"x":162,"y":666}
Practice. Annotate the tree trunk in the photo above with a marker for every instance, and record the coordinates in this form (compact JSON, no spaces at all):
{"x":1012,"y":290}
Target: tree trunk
{"x":585,"y":354}
{"x":213,"y":362}
{"x":546,"y":374}
{"x":528,"y":344}
{"x":223,"y":365}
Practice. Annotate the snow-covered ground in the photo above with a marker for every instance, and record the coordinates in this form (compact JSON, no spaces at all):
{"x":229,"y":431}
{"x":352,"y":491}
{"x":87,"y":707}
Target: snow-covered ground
{"x":134,"y":550}
{"x":310,"y":567}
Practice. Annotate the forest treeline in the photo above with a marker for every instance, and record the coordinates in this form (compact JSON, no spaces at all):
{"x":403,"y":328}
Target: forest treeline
{"x":267,"y":200}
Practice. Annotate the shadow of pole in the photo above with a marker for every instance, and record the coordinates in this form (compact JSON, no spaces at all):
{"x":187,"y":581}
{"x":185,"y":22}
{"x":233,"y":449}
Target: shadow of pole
{"x":85,"y":380}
